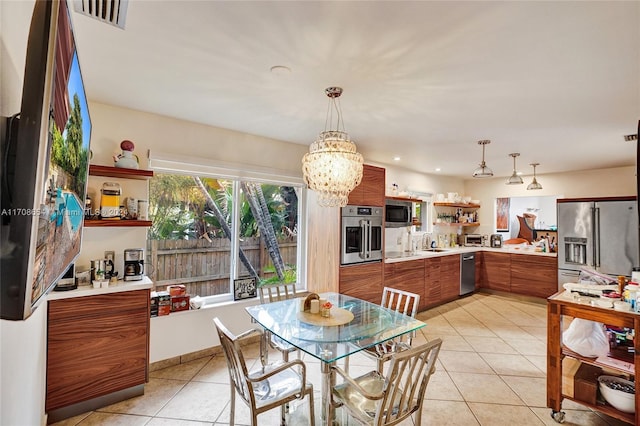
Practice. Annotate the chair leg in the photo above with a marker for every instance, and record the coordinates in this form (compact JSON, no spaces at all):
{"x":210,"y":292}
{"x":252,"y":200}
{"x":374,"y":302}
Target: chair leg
{"x":419,"y":415}
{"x":232,"y":405}
{"x":284,"y":408}
{"x":380,"y":365}
{"x":312,"y":414}
{"x":346,"y":364}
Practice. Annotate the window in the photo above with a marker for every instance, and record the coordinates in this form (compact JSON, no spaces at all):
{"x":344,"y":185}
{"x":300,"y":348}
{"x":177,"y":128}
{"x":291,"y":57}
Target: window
{"x":208,"y":231}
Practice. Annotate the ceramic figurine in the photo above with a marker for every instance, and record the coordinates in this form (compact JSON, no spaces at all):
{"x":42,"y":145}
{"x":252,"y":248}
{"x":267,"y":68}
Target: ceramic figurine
{"x":127,"y":159}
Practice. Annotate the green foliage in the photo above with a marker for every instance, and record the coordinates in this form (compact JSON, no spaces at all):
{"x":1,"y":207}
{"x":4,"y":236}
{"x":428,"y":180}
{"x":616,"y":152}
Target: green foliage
{"x":68,"y":154}
{"x":290,"y":275}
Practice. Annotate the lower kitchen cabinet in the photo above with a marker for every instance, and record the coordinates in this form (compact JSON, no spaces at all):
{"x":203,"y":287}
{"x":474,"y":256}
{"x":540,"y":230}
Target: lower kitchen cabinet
{"x":432,"y":287}
{"x":534,"y":275}
{"x":496,"y":271}
{"x":96,"y":345}
{"x":363,"y":281}
{"x":479,"y":269}
{"x":407,"y":276}
{"x":450,"y":277}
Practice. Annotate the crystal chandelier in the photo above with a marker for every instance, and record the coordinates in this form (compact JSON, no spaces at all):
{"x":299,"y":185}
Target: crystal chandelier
{"x":534,"y":183}
{"x":514,"y":179}
{"x":483,"y":171}
{"x":332,"y":167}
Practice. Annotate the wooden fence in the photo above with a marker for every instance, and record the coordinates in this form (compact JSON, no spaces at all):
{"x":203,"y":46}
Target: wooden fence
{"x":204,"y":267}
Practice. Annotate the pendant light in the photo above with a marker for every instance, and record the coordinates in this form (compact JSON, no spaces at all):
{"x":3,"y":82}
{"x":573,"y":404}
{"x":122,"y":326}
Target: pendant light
{"x":332,"y":167}
{"x":534,"y":183}
{"x":483,"y":171}
{"x":514,"y":179}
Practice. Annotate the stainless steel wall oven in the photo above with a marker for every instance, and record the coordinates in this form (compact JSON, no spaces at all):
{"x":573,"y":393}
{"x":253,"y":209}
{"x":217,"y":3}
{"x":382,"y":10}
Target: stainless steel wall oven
{"x":361,"y":239}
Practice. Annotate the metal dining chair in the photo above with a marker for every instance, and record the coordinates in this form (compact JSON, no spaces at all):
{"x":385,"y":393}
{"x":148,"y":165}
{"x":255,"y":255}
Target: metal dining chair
{"x":374,"y":399}
{"x":400,"y":301}
{"x":268,"y":387}
{"x":276,"y":292}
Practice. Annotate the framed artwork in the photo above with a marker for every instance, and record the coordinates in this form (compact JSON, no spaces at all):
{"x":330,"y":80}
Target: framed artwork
{"x":244,"y":288}
{"x":502,"y":214}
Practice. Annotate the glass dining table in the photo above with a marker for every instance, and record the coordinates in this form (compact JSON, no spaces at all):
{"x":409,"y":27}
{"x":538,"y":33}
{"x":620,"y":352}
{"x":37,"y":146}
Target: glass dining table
{"x":371,"y":324}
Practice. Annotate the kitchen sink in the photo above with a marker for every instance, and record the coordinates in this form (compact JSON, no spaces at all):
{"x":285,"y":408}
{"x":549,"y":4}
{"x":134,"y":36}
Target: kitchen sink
{"x":435,"y":249}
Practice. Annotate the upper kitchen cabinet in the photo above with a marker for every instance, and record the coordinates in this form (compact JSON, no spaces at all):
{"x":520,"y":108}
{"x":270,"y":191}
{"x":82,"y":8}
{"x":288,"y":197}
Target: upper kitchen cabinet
{"x":370,"y":192}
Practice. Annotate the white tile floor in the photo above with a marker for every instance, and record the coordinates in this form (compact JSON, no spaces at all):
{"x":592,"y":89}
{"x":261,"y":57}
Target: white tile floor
{"x":491,"y":371}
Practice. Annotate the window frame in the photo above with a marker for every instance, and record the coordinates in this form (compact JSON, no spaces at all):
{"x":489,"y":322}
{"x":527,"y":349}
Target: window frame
{"x":172,"y":164}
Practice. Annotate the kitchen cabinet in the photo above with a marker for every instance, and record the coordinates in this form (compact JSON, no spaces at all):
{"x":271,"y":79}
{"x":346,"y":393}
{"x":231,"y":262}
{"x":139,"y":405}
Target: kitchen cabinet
{"x":432,"y":287}
{"x":407,"y":276}
{"x":362,"y":280}
{"x":559,"y":306}
{"x":479,"y":269}
{"x":96,"y":345}
{"x":441,"y":279}
{"x":370,"y":192}
{"x":450,"y":277}
{"x":118,"y":173}
{"x":534,"y":275}
{"x":496,"y":271}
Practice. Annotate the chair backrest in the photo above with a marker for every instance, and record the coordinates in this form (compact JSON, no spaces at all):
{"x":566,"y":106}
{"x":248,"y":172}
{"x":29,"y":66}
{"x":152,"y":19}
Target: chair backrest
{"x":406,"y":382}
{"x":276,"y":292}
{"x":235,"y":362}
{"x":400,"y":301}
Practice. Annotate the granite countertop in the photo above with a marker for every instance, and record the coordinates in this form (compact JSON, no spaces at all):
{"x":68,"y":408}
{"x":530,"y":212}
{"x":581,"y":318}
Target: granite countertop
{"x":392,"y":257}
{"x":88,"y":290}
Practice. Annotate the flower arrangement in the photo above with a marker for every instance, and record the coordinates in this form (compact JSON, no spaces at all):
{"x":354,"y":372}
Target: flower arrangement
{"x":325,"y":309}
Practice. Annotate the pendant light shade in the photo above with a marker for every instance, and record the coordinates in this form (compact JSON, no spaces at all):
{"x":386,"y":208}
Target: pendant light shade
{"x":534,"y":183}
{"x":514,"y":179}
{"x":332,"y":167}
{"x":483,"y":171}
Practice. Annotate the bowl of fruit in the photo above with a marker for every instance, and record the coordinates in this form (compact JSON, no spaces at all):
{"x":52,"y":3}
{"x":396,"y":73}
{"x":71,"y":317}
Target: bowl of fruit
{"x":618,"y":392}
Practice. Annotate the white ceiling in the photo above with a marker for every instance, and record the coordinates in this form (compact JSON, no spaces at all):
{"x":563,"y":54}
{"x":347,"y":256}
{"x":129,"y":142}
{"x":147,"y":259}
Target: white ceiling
{"x":558,"y":82}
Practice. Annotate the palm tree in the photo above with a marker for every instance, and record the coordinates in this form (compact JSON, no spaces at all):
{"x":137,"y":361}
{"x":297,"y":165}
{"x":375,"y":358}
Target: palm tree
{"x":225,"y":226}
{"x":255,"y":198}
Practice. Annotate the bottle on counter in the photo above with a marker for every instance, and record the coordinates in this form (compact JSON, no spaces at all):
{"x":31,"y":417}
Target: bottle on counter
{"x":622,"y":280}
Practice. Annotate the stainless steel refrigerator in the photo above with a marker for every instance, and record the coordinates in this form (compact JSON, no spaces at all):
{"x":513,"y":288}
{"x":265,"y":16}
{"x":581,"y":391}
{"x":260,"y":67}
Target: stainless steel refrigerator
{"x":599,"y":233}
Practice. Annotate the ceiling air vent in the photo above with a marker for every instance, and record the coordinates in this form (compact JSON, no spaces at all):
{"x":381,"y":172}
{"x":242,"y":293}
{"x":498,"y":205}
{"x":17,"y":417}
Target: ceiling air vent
{"x":630,"y":138}
{"x":112,"y":12}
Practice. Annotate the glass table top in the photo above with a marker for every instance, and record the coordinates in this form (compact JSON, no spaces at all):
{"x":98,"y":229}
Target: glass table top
{"x":371,"y":324}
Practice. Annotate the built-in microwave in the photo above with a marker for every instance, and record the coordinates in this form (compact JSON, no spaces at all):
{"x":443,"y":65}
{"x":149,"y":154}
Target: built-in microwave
{"x":397,"y":213}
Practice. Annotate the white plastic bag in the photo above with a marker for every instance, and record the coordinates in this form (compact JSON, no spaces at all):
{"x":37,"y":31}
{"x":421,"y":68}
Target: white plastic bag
{"x":586,"y":338}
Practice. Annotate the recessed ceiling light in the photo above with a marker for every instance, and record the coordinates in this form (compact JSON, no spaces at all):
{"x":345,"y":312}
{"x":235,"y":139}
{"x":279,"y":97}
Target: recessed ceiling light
{"x":280,"y":70}
{"x":396,"y":158}
{"x":438,"y":169}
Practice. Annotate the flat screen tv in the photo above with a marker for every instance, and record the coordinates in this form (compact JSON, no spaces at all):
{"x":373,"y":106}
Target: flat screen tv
{"x":45,"y":166}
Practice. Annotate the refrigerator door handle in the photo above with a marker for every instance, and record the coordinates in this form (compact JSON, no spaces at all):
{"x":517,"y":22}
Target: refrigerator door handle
{"x":596,"y":237}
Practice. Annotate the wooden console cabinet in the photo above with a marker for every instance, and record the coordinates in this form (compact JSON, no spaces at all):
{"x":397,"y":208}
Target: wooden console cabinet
{"x":96,"y":345}
{"x":560,"y":305}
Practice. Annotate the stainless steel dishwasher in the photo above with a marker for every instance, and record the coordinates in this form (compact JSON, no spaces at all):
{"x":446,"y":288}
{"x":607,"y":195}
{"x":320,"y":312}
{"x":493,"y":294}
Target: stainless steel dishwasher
{"x":467,"y":273}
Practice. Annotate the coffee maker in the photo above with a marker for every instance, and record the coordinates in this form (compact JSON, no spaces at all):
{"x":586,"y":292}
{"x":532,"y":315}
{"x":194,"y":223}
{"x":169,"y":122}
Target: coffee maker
{"x":133,"y":264}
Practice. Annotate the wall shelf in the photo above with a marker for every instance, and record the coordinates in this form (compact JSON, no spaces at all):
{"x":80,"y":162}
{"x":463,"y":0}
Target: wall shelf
{"x":95,"y":223}
{"x":119,"y":172}
{"x":466,"y":224}
{"x":458,"y":205}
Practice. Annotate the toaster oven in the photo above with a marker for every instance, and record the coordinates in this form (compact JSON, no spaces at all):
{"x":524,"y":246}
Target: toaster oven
{"x":473,"y":240}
